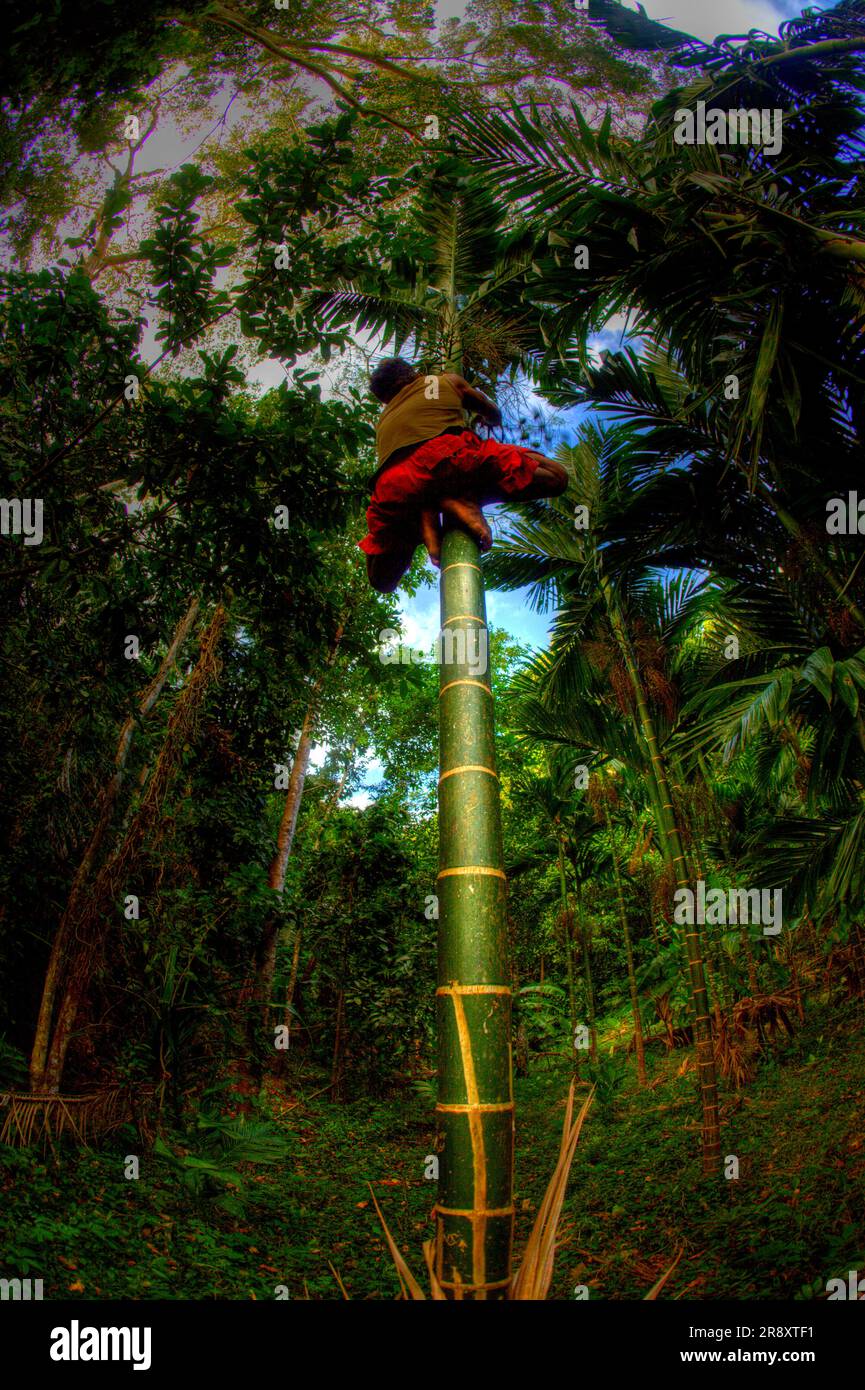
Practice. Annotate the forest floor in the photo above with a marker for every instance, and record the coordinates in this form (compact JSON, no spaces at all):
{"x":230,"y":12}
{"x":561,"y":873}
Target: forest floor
{"x":794,"y":1217}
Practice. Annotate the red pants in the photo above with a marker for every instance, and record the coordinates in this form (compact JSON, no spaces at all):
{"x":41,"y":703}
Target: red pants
{"x":458,"y":465}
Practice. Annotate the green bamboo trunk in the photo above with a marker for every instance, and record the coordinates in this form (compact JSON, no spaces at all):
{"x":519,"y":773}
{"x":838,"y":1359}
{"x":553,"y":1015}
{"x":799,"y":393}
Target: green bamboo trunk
{"x":474,"y":1211}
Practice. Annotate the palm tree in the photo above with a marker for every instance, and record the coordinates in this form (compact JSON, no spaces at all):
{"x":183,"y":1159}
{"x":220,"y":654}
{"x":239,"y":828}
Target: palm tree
{"x":744,"y":269}
{"x":593,"y":626}
{"x":455,"y":296}
{"x":605,"y":795}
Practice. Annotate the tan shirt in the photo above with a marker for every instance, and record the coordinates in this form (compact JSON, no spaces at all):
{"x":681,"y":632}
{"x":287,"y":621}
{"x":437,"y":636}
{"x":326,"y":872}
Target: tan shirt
{"x":410,"y":418}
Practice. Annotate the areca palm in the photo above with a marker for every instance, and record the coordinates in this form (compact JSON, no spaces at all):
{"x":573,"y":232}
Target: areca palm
{"x":794,"y":708}
{"x":454,"y":293}
{"x":681,"y":503}
{"x":744,"y":268}
{"x":790,"y":703}
{"x":596,"y":641}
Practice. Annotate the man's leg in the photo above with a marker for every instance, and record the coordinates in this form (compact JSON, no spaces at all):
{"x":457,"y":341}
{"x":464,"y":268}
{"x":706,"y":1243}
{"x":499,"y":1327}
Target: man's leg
{"x":462,"y":494}
{"x":550,"y":479}
{"x":484,"y":485}
{"x":385,"y":571}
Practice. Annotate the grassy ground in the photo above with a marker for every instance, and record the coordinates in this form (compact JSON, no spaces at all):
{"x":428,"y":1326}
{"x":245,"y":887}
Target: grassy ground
{"x":794,"y":1217}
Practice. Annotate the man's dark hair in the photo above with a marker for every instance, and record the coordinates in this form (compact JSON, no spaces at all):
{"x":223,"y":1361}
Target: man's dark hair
{"x":390,"y":376}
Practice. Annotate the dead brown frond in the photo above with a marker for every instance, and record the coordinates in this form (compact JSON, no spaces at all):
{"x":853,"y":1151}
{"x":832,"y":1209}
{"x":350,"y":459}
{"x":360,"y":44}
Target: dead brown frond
{"x":622,"y":688}
{"x":566,"y":922}
{"x":766,"y":1015}
{"x":641,"y":849}
{"x":844,"y":966}
{"x":335,"y":1273}
{"x":731,"y":1054}
{"x":534,"y":1276}
{"x":662,"y":893}
{"x":410,"y":1288}
{"x":661,"y":692}
{"x":656,"y":1288}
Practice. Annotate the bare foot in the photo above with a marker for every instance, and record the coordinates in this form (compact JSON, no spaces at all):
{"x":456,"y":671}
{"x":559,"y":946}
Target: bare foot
{"x":470,"y":516}
{"x":431,"y":534}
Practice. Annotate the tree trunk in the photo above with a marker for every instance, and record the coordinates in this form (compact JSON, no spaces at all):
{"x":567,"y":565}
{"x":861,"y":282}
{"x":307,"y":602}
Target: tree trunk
{"x":753,"y":983}
{"x":292,"y":979}
{"x":474,"y":1210}
{"x":587,"y":977}
{"x":336,"y":1065}
{"x":521,"y":1041}
{"x":675,"y":851}
{"x":566,"y":931}
{"x":795,"y":983}
{"x":266,"y":954}
{"x":90,"y":922}
{"x":632,"y":978}
{"x":107,"y":804}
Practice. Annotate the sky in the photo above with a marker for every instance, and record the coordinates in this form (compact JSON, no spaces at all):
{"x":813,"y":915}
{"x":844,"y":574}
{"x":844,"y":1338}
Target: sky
{"x":705,"y":19}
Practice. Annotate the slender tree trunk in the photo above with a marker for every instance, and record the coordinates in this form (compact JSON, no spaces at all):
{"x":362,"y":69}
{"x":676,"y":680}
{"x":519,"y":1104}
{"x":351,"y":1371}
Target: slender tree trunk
{"x":107,"y":805}
{"x":298,"y":930}
{"x":474,"y":1210}
{"x":521,"y":1042}
{"x":632,"y":978}
{"x":292,"y":979}
{"x":266,"y":955}
{"x":90,"y":923}
{"x":794,"y":978}
{"x":711,"y":1137}
{"x":753,"y":983}
{"x":587,"y":976}
{"x":859,"y":952}
{"x":715,"y":955}
{"x":717,"y":960}
{"x":336,"y":1065}
{"x":566,"y":931}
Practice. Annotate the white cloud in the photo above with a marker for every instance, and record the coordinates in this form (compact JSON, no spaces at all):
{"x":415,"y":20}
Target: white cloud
{"x":706,"y":21}
{"x":450,"y":9}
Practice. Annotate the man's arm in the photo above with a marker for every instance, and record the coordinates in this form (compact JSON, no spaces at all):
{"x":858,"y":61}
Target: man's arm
{"x":474,"y":400}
